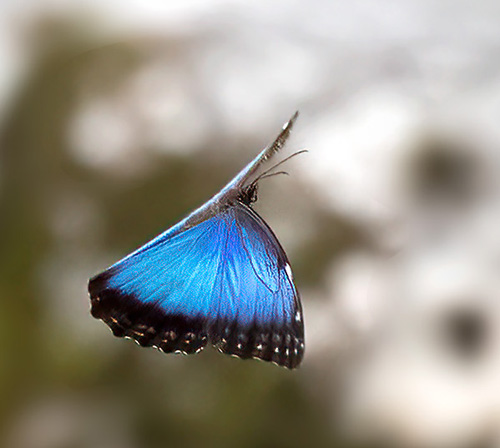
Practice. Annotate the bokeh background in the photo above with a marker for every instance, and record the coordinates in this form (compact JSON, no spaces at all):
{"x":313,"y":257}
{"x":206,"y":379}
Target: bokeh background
{"x":117,"y":118}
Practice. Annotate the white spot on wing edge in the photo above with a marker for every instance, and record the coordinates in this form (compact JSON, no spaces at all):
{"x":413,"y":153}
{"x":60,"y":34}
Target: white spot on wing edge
{"x":288,"y":270}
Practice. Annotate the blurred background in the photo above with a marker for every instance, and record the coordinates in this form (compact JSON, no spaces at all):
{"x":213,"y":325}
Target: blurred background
{"x":117,"y":118}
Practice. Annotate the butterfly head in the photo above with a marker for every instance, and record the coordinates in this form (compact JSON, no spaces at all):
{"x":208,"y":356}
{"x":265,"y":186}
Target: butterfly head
{"x":248,"y":195}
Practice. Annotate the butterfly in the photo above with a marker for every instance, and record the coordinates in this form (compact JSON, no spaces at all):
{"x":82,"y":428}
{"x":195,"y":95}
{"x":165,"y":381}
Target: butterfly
{"x":219,"y":276}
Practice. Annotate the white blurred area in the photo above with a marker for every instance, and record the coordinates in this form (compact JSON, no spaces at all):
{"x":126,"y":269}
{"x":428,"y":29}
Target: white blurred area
{"x":400,"y":105}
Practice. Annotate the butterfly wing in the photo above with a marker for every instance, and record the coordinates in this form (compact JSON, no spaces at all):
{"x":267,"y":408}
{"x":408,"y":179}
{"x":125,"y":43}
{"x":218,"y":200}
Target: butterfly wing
{"x":159,"y":294}
{"x":269,"y":325}
{"x":226,"y":280}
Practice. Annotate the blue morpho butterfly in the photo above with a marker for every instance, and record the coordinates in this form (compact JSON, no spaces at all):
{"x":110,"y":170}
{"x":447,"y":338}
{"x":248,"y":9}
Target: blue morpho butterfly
{"x":219,"y":276}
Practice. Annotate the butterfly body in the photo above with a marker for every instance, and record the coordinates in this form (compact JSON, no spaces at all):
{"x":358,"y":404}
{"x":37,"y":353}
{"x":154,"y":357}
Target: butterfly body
{"x":219,"y":276}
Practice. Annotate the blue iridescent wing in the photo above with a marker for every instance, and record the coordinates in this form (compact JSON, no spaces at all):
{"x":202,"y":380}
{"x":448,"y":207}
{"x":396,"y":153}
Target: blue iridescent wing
{"x":273,"y":328}
{"x":220,"y":276}
{"x":226,"y":280}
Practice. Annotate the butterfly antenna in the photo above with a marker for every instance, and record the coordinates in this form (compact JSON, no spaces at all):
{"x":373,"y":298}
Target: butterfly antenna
{"x":266,"y":173}
{"x":241,"y":180}
{"x":265,"y":176}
